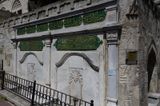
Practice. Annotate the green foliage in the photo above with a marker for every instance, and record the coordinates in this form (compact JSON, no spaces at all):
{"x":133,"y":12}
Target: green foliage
{"x":31,"y":29}
{"x":42,"y":27}
{"x":94,"y":17}
{"x":21,"y":31}
{"x":73,"y":21}
{"x":58,"y":24}
{"x":78,"y":43}
{"x":34,"y":45}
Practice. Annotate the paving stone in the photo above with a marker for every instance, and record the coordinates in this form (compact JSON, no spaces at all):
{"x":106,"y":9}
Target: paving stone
{"x":14,"y":99}
{"x":6,"y":103}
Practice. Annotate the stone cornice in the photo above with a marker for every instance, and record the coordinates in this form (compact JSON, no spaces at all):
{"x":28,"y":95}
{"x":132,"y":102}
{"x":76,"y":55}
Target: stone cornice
{"x":115,"y":28}
{"x":43,"y":14}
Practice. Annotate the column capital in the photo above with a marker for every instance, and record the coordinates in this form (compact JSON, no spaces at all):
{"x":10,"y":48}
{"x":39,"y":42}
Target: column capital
{"x":15,"y":44}
{"x":48,"y":42}
{"x":112,"y":37}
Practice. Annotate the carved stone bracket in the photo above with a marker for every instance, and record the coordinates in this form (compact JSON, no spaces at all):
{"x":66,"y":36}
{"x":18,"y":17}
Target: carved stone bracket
{"x":67,"y":55}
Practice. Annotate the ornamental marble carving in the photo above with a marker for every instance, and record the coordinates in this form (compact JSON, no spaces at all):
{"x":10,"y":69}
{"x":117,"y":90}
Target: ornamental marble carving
{"x":75,"y":76}
{"x":123,"y":73}
{"x":16,"y":4}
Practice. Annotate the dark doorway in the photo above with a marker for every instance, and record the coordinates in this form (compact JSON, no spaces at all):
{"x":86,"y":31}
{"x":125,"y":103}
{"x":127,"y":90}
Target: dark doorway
{"x":150,"y":66}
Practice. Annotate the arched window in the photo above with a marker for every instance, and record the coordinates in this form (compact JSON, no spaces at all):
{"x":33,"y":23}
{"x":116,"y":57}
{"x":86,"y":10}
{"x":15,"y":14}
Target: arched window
{"x":16,"y":4}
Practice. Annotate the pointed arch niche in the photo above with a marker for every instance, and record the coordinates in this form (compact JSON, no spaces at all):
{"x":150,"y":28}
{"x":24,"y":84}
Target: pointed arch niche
{"x":152,"y":69}
{"x":17,"y":7}
{"x":16,"y":4}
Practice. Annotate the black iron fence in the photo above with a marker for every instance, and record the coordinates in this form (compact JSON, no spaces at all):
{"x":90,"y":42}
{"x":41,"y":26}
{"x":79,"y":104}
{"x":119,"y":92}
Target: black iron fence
{"x":2,"y":75}
{"x":37,"y":94}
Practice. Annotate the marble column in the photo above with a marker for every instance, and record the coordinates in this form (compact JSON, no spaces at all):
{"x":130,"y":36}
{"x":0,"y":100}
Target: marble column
{"x":112,"y":78}
{"x":15,"y":44}
{"x":47,"y":61}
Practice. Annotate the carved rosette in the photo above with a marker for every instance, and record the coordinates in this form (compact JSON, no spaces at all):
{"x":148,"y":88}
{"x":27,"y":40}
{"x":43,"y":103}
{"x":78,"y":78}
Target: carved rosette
{"x":75,"y":77}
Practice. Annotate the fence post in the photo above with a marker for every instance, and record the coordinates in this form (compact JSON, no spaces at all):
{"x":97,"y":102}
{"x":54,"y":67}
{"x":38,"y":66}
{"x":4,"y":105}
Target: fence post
{"x":33,"y":93}
{"x":92,"y":103}
{"x":2,"y":66}
{"x":3,"y":77}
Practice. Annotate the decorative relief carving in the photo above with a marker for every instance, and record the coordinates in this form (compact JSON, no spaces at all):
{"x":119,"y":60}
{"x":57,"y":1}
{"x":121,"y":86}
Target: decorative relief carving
{"x":32,"y":16}
{"x":25,"y":19}
{"x":52,"y":11}
{"x":112,"y":36}
{"x":123,"y":73}
{"x":16,"y":4}
{"x":30,"y":71}
{"x":76,"y":82}
{"x":80,"y":3}
{"x":67,"y":55}
{"x":75,"y":76}
{"x":8,"y":58}
{"x":61,"y":6}
{"x":27,"y":54}
{"x":41,"y":14}
{"x":64,"y":7}
{"x":48,"y":42}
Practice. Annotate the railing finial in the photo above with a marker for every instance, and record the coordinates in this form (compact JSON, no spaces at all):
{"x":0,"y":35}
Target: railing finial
{"x":92,"y":103}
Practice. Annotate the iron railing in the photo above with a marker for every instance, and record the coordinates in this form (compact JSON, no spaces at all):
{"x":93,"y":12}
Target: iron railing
{"x":39,"y":95}
{"x":2,"y":75}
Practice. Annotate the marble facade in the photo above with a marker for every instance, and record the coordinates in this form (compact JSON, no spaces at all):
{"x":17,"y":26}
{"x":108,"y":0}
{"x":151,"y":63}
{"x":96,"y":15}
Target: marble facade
{"x":109,"y":75}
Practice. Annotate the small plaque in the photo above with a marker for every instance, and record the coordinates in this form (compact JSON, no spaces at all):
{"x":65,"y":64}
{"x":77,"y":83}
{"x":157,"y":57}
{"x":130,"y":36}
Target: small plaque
{"x":131,"y":58}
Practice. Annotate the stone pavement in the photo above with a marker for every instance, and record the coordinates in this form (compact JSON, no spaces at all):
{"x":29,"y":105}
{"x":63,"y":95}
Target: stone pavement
{"x":14,"y":99}
{"x":6,"y":103}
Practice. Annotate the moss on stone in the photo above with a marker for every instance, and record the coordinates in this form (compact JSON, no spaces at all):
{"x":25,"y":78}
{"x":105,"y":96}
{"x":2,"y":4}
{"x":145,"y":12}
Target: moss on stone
{"x":93,"y":17}
{"x":42,"y":27}
{"x":31,"y":29}
{"x":78,"y":43}
{"x":34,"y":45}
{"x":58,"y":24}
{"x":73,"y":21}
{"x":21,"y":31}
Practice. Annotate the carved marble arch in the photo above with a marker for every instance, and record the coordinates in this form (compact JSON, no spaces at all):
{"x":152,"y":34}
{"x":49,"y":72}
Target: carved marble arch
{"x":16,"y":4}
{"x":152,"y":46}
{"x":85,"y":57}
{"x":151,"y":66}
{"x":30,"y":53}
